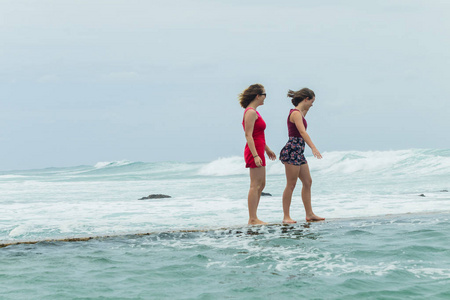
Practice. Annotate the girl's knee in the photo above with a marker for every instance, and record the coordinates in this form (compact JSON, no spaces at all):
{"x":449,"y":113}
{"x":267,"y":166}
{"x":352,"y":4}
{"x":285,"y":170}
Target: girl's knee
{"x":291,"y":186}
{"x":260,"y":185}
{"x":263,"y":185}
{"x":307,"y":183}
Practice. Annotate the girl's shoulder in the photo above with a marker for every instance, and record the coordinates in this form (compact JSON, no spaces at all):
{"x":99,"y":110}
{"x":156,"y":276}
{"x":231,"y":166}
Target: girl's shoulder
{"x":251,"y":112}
{"x":294,"y":111}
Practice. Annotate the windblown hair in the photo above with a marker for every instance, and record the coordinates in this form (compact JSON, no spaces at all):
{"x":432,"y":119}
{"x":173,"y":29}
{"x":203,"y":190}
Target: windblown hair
{"x":300,"y":95}
{"x":250,"y":93}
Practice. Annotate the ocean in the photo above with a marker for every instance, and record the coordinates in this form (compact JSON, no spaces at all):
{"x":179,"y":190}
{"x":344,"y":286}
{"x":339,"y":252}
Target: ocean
{"x":385,"y":235}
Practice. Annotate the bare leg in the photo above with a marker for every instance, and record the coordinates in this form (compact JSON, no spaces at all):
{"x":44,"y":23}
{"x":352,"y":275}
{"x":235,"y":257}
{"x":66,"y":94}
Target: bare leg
{"x":292,"y":172}
{"x":257,"y":184}
{"x":306,"y":179}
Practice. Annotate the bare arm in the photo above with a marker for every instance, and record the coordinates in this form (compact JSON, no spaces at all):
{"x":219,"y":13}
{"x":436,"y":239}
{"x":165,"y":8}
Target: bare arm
{"x":296,"y":118}
{"x":249,"y":121}
{"x":270,"y":153}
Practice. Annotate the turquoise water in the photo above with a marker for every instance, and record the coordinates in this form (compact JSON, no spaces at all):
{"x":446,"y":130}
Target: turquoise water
{"x":396,"y":257}
{"x":381,"y":239}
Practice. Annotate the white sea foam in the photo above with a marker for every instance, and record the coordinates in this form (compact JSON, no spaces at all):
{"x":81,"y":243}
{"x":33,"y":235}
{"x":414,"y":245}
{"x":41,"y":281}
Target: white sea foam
{"x":11,"y":176}
{"x":234,"y":165}
{"x":21,"y":230}
{"x":288,"y":258}
{"x":347,"y":162}
{"x":105,"y":164}
{"x":433,"y":273}
{"x":355,"y":161}
{"x":346,"y":184}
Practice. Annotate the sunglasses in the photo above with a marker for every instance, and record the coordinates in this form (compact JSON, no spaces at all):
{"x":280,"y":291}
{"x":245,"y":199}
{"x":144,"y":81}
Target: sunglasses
{"x":263,"y":95}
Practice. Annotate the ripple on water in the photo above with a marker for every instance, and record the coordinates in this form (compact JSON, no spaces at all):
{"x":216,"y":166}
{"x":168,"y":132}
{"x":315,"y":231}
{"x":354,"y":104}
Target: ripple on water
{"x":331,"y":259}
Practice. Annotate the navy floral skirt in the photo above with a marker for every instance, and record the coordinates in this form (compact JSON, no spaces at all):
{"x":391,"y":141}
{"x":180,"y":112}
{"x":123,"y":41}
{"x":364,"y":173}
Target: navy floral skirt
{"x":292,"y":152}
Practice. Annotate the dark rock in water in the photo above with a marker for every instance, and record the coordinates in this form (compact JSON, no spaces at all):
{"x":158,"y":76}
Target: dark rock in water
{"x":266,"y":194}
{"x":422,"y":195}
{"x":444,"y":191}
{"x":155,"y":196}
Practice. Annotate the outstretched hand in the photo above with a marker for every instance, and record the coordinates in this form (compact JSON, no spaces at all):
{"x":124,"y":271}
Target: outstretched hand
{"x":316,"y":153}
{"x":271,"y":154}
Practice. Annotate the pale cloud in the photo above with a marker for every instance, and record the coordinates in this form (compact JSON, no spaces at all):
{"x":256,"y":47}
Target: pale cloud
{"x":51,"y":78}
{"x":121,"y":76}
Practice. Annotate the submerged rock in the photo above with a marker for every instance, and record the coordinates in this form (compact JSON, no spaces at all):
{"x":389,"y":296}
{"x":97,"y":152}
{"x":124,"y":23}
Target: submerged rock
{"x":155,"y":196}
{"x":266,"y":194}
{"x":444,"y":191}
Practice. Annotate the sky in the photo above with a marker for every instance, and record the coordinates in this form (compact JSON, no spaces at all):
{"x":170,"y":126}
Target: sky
{"x":90,"y":81}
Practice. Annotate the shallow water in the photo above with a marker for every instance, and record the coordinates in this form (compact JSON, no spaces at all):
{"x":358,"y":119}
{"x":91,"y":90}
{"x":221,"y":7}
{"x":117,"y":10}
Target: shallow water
{"x":394,"y":257}
{"x":381,"y":240}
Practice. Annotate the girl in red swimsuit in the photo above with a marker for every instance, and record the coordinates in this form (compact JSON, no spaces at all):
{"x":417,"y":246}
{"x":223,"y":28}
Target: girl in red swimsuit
{"x":254,"y":127}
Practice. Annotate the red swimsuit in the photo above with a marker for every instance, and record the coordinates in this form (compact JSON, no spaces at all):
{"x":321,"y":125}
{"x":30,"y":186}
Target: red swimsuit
{"x":260,"y":142}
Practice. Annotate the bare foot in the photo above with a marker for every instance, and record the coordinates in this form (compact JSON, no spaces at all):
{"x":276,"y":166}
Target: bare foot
{"x":289,"y":221}
{"x":314,"y":218}
{"x":256,"y":222}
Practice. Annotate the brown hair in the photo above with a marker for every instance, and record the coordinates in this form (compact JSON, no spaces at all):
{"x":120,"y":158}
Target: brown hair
{"x":250,"y":93}
{"x":300,"y":95}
